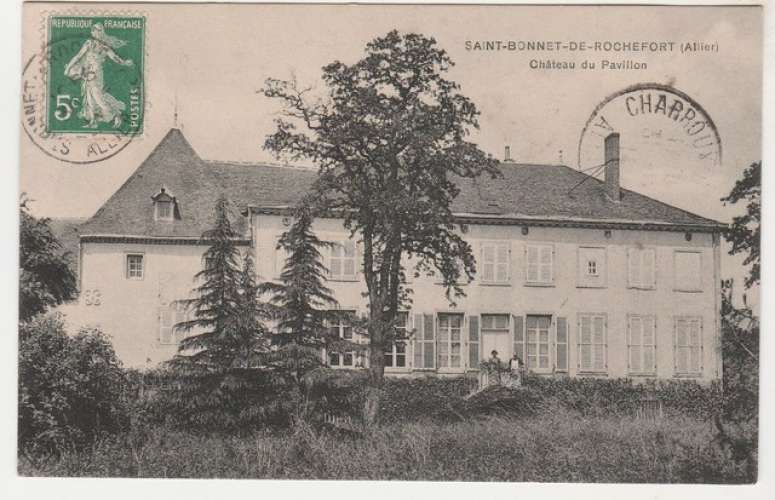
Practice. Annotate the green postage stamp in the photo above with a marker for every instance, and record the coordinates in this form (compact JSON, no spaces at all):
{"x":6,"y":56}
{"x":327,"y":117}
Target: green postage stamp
{"x":95,"y":72}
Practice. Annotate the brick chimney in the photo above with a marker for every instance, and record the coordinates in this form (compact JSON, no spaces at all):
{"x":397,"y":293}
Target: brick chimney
{"x":612,"y":167}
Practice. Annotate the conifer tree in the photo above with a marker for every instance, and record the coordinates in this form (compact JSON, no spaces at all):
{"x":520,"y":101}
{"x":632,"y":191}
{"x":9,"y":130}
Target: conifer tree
{"x":225,"y":306}
{"x":252,"y":336}
{"x":223,"y":382}
{"x":301,"y":296}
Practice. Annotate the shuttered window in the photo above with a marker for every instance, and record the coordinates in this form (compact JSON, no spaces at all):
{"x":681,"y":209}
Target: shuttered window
{"x":449,"y":338}
{"x":424,"y":342}
{"x":170,"y":317}
{"x":495,"y":256}
{"x":641,"y":345}
{"x":688,"y":346}
{"x":539,"y":261}
{"x":395,"y":356}
{"x":641,"y":268}
{"x":561,"y":346}
{"x":340,"y":327}
{"x":537,"y":342}
{"x":592,"y":342}
{"x":688,"y":271}
{"x":342,"y":260}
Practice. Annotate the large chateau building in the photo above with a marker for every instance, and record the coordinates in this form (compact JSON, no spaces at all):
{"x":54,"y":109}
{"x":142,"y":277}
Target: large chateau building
{"x":576,"y":275}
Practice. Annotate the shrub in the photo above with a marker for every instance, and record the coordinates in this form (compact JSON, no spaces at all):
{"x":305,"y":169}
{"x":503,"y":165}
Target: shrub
{"x":411,"y":399}
{"x":620,"y":396}
{"x":71,"y":389}
{"x":225,"y":402}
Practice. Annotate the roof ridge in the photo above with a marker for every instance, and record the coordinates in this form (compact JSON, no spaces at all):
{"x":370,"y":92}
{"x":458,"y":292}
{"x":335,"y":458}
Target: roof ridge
{"x":248,"y":163}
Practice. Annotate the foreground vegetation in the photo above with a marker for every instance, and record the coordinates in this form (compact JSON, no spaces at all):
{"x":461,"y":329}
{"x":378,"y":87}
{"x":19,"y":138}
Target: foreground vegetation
{"x":558,"y":445}
{"x":81,"y":414}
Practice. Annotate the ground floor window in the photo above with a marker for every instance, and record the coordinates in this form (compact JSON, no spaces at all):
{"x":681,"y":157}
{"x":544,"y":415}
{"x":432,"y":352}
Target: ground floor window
{"x":641,"y":345}
{"x":449,"y":340}
{"x":424,"y":342}
{"x":395,"y":356}
{"x":592,"y":342}
{"x":537,"y":342}
{"x":339,"y":326}
{"x":688,"y":346}
{"x":170,"y":318}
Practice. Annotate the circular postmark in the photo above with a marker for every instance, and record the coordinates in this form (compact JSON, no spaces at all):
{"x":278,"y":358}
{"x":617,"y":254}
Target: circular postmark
{"x":661,"y":128}
{"x":74,"y":108}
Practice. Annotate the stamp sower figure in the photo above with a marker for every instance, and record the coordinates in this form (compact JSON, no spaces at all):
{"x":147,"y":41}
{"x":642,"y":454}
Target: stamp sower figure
{"x":87,"y":65}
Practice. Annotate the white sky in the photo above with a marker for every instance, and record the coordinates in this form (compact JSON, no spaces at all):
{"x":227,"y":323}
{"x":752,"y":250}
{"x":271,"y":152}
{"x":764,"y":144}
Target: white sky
{"x":212,"y":59}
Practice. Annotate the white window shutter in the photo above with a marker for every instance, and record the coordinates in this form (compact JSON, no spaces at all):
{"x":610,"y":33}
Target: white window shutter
{"x":633,"y":260}
{"x":635,"y":329}
{"x":487,"y":256}
{"x":165,"y":324}
{"x":519,"y":336}
{"x":650,"y":338}
{"x":547,"y":258}
{"x":598,"y":339}
{"x":649,"y":267}
{"x":531,"y":262}
{"x":279,"y":262}
{"x":682,"y":358}
{"x":561,"y":344}
{"x":694,"y":343}
{"x":503,"y":257}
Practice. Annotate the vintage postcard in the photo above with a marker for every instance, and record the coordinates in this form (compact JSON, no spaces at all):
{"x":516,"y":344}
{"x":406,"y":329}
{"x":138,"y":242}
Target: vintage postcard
{"x":505,"y":243}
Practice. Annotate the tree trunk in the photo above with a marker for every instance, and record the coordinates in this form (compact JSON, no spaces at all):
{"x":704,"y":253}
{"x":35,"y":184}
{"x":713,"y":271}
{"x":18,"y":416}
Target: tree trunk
{"x":373,"y":398}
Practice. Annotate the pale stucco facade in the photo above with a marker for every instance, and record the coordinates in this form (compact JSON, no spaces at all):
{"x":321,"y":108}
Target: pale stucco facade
{"x":574,"y":275}
{"x":132,"y":310}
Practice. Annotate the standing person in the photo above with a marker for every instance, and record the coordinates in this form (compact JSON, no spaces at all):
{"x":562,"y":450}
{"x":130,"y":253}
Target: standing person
{"x":515,"y":369}
{"x":497,"y":366}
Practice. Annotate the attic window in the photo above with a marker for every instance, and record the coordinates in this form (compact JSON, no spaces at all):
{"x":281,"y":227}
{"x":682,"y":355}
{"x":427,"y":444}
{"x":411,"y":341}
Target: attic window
{"x":164,"y":210}
{"x":164,"y":206}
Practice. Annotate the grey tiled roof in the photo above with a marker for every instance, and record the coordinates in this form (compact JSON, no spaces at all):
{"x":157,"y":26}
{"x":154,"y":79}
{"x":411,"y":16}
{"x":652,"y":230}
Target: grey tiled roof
{"x":524,"y":193}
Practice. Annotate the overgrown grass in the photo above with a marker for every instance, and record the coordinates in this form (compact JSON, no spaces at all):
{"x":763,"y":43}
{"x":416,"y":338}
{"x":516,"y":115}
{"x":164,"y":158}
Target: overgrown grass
{"x":559,"y":445}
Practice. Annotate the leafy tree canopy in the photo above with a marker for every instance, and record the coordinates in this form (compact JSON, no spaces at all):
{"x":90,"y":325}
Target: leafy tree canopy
{"x":745,"y":231}
{"x":46,"y":279}
{"x":390,"y":139}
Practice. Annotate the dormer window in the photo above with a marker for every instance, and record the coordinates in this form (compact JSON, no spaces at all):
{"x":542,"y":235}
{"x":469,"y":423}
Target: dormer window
{"x":164,"y":206}
{"x":164,"y":210}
